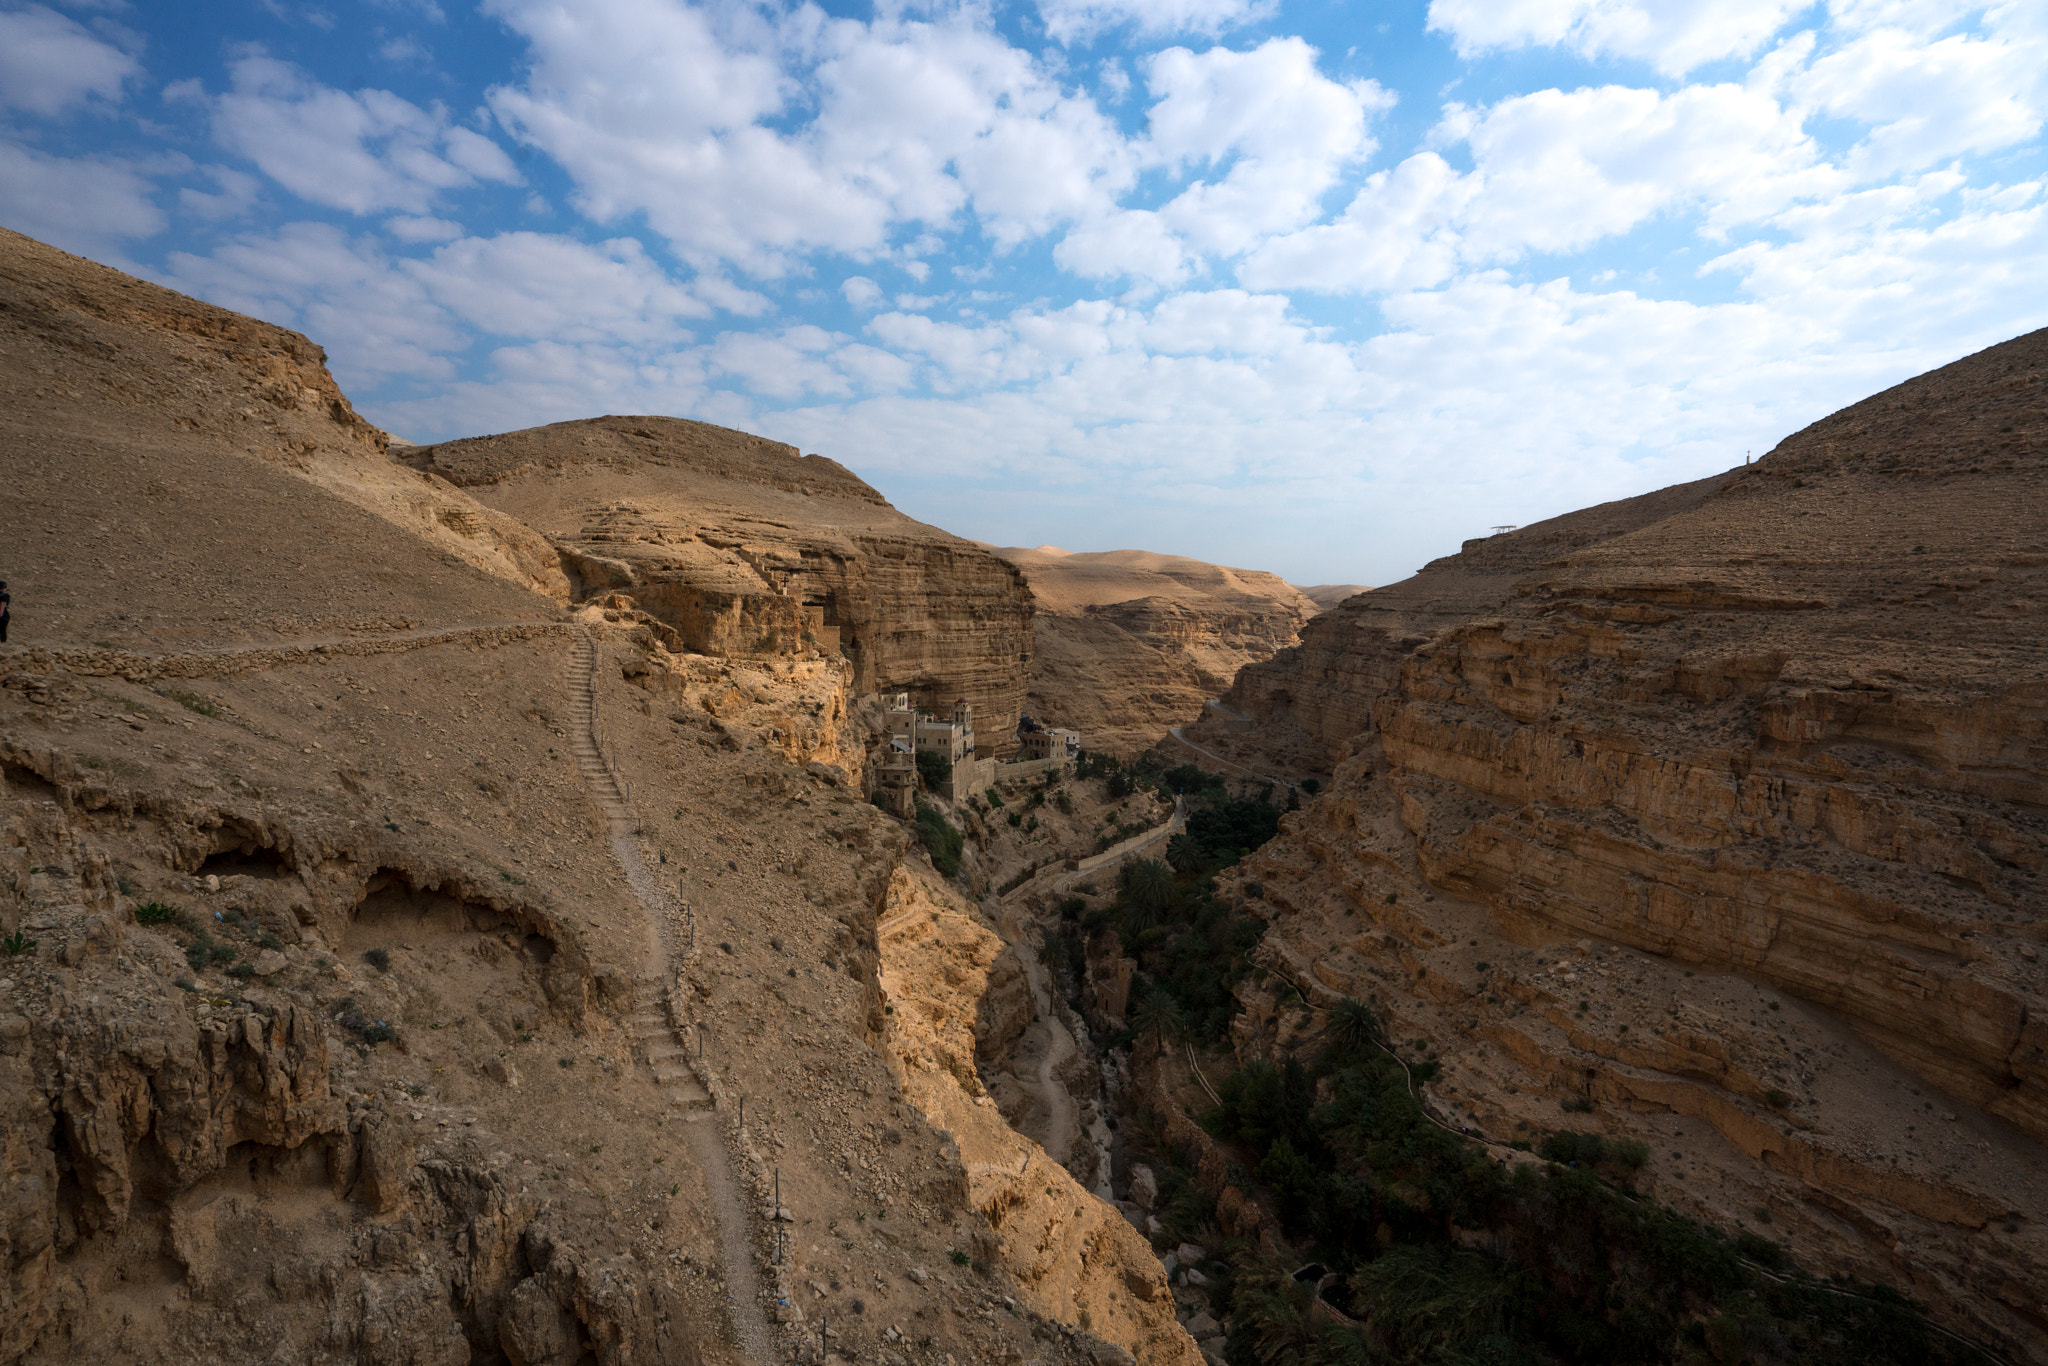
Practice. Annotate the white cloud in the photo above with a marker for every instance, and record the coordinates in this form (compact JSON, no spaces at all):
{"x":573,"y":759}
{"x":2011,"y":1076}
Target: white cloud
{"x":1675,"y":36}
{"x":421,"y":229}
{"x":860,"y":291}
{"x":1929,"y":101}
{"x":661,"y":107}
{"x":84,"y":204}
{"x":49,"y":63}
{"x":365,"y":152}
{"x":535,"y":285}
{"x":1290,"y":129}
{"x":1556,"y":172}
{"x":375,"y":321}
{"x":1398,"y":233}
{"x":781,"y":366}
{"x":1224,"y":320}
{"x":1069,"y":20}
{"x":1866,"y":266}
{"x":237,"y":194}
{"x":1562,"y":170}
{"x":1134,"y":242}
{"x":383,"y":316}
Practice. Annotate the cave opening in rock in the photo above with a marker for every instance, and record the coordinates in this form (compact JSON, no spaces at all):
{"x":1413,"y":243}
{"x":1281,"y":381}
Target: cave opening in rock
{"x":393,"y":904}
{"x":248,"y":859}
{"x":24,"y":782}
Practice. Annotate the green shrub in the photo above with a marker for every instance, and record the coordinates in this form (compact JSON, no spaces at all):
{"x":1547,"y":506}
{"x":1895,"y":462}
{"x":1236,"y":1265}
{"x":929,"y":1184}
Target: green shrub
{"x":1016,"y":819}
{"x":156,"y":913}
{"x":379,"y":959}
{"x":202,"y":953}
{"x":17,"y":944}
{"x":995,"y":798}
{"x":1568,"y":1147}
{"x":195,"y":703}
{"x":935,"y":768}
{"x":940,"y":839}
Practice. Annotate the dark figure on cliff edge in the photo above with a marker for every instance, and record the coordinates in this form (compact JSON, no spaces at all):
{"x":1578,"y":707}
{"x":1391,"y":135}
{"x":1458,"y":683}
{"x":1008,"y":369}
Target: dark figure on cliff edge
{"x":5,"y":601}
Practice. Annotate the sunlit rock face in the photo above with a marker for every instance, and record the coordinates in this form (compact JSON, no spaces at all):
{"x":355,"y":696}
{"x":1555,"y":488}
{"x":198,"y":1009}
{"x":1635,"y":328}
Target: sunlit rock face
{"x":747,"y":549}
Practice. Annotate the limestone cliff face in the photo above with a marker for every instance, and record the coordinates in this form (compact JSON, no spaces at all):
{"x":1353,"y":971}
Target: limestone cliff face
{"x":1130,"y":642}
{"x":1764,"y":759}
{"x":746,"y":549}
{"x":950,"y":982}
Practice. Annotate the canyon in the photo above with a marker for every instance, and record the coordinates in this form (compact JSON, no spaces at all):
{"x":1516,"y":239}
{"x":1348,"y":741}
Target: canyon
{"x":1717,"y":812}
{"x":446,"y":919}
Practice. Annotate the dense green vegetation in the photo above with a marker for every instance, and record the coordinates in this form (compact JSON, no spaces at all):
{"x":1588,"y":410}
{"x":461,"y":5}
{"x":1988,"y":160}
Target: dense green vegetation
{"x":935,"y":768}
{"x":1441,"y":1254}
{"x":941,"y":840}
{"x":1191,"y":948}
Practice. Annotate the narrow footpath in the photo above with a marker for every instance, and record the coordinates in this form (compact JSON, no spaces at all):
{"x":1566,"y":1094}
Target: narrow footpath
{"x":1174,"y":731}
{"x":662,"y":1048}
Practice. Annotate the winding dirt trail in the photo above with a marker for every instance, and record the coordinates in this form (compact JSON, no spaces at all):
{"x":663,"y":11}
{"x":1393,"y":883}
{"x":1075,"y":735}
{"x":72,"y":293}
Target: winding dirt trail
{"x":662,"y":1048}
{"x":1064,"y":1123}
{"x":1174,"y":731}
{"x":214,"y":661}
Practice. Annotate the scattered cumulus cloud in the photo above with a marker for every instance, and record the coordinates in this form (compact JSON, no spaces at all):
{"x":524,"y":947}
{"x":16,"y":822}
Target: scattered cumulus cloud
{"x":84,"y":204}
{"x":1069,"y":21}
{"x":1123,"y":267}
{"x":50,"y":64}
{"x":367,"y":151}
{"x":1674,"y":36}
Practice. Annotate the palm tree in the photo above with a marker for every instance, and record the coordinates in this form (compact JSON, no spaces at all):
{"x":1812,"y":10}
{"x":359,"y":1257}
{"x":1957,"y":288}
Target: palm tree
{"x":1148,"y":888}
{"x":1183,"y":854}
{"x":1158,"y":1015}
{"x":1353,"y":1027}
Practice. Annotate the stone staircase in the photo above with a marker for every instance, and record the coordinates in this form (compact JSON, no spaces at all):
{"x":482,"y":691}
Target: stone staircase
{"x":661,"y":1047}
{"x":666,"y":1055}
{"x":584,"y":733}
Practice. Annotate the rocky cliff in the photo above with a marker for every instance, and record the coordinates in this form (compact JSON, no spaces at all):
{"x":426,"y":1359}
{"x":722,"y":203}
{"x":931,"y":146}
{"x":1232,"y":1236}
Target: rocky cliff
{"x":1076,"y":1258}
{"x":338,"y":1021}
{"x":745,"y":548}
{"x":1718,"y":814}
{"x":1130,"y":642}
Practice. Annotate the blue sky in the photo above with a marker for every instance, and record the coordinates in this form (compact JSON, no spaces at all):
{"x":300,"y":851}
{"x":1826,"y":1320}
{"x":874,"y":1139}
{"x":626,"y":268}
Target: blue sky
{"x":1320,"y":288}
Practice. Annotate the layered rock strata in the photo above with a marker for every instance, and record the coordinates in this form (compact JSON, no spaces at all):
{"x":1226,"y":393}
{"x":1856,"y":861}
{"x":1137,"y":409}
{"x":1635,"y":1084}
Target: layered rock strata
{"x":745,"y":548}
{"x":1128,"y":642}
{"x":1076,"y":1259}
{"x":1721,"y":809}
{"x":323,"y":994}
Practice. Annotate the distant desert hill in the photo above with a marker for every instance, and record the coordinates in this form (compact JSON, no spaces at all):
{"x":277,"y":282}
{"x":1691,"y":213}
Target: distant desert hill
{"x":1130,"y":642}
{"x":1328,"y":595}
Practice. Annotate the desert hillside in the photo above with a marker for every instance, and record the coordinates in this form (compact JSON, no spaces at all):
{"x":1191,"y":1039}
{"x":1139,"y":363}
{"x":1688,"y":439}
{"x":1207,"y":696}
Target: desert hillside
{"x":1328,"y":595}
{"x":1129,"y":642}
{"x":744,"y":547}
{"x":1716,"y":817}
{"x":414,"y":952}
